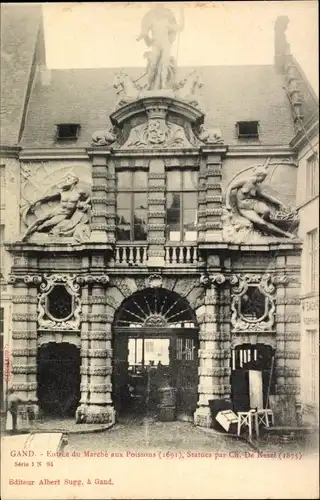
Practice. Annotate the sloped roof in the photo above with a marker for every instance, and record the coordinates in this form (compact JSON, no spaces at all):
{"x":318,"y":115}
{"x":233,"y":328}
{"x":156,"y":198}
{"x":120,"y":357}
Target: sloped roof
{"x":19,"y":30}
{"x":229,"y":94}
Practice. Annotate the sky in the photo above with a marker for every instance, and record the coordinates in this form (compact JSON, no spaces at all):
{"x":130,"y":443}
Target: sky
{"x":103,"y":34}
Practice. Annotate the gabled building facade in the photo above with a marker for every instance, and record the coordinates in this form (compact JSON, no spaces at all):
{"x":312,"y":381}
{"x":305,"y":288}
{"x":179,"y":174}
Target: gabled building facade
{"x":154,"y":239}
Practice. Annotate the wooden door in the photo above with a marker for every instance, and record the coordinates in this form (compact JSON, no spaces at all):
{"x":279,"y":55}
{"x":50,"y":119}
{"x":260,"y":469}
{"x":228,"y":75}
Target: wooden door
{"x":120,"y":371}
{"x":185,"y":367}
{"x":240,"y":390}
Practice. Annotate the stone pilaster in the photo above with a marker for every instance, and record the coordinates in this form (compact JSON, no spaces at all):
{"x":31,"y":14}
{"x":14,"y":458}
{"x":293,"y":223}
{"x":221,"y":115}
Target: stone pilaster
{"x":212,"y":370}
{"x":202,"y":201}
{"x":85,"y":339}
{"x":24,"y":340}
{"x":99,"y":228}
{"x":111,"y":202}
{"x":213,"y":197}
{"x":288,"y":346}
{"x":156,"y":213}
{"x":96,"y":353}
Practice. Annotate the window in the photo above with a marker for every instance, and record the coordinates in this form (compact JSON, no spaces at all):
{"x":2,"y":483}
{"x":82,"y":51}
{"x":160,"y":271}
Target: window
{"x":253,"y":304}
{"x":186,"y":349}
{"x":1,"y":320}
{"x":144,"y":352}
{"x":248,"y":130}
{"x":2,"y":250}
{"x":68,"y":131}
{"x":312,"y":172}
{"x":2,"y":185}
{"x":181,"y":205}
{"x":60,"y":303}
{"x":132,"y":205}
{"x":312,"y":256}
{"x":313,"y":365}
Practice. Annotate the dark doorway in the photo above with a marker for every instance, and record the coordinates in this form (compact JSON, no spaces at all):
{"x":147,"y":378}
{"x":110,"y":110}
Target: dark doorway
{"x":252,"y":376}
{"x":155,"y":347}
{"x":58,"y":377}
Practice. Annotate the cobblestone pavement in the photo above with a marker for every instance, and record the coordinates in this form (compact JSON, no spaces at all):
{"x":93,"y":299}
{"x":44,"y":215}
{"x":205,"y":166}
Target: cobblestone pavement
{"x":154,"y":435}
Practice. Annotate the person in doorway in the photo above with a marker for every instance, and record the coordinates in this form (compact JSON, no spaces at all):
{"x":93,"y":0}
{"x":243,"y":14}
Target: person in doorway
{"x":13,"y":406}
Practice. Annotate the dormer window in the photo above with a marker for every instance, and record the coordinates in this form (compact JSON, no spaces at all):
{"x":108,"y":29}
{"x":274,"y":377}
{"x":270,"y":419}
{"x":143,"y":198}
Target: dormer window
{"x":68,"y":131}
{"x":248,"y":130}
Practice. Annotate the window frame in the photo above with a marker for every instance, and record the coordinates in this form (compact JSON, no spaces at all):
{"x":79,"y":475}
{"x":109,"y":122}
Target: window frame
{"x":248,"y":136}
{"x":313,"y":364}
{"x":67,"y":138}
{"x":131,"y":191}
{"x":312,"y":259}
{"x":182,"y":191}
{"x":312,"y":177}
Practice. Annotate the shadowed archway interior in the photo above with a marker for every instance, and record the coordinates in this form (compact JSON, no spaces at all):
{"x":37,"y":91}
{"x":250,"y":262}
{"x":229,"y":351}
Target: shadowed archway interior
{"x":58,"y":377}
{"x":155,"y":344}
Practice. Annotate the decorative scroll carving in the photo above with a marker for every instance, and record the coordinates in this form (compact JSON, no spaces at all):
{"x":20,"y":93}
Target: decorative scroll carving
{"x":34,"y":279}
{"x":85,"y":279}
{"x":68,"y":217}
{"x":45,"y":320}
{"x":252,"y":212}
{"x":255,"y":293}
{"x":212,"y":279}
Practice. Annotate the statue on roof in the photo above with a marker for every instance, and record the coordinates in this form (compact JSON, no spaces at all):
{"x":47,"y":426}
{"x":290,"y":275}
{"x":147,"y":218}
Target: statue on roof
{"x":160,"y":23}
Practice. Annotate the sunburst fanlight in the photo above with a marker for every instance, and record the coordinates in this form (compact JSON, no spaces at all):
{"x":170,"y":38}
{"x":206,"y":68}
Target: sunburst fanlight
{"x":156,"y":307}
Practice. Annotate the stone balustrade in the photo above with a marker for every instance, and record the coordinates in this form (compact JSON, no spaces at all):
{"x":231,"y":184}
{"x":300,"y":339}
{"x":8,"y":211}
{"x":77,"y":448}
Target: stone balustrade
{"x":181,"y":253}
{"x":131,"y":254}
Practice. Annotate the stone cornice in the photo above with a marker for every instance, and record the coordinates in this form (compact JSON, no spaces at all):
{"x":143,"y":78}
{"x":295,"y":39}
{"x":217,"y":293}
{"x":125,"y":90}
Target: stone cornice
{"x":9,"y":151}
{"x":277,"y":246}
{"x":173,"y":105}
{"x":62,"y":248}
{"x":53,"y":154}
{"x":260,"y":150}
{"x":312,"y":129}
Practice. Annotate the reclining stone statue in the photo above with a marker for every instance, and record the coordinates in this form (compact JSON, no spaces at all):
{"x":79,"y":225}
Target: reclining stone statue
{"x":246,"y":198}
{"x":64,"y":219}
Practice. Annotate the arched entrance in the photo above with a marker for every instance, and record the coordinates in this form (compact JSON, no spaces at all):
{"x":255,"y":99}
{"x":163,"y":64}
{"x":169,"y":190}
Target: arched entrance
{"x":155,"y":346}
{"x":58,"y":379}
{"x":252,"y":375}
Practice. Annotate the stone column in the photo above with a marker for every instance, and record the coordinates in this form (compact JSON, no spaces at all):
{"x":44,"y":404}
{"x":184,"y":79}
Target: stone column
{"x":96,"y":352}
{"x":24,"y":336}
{"x":211,"y":353}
